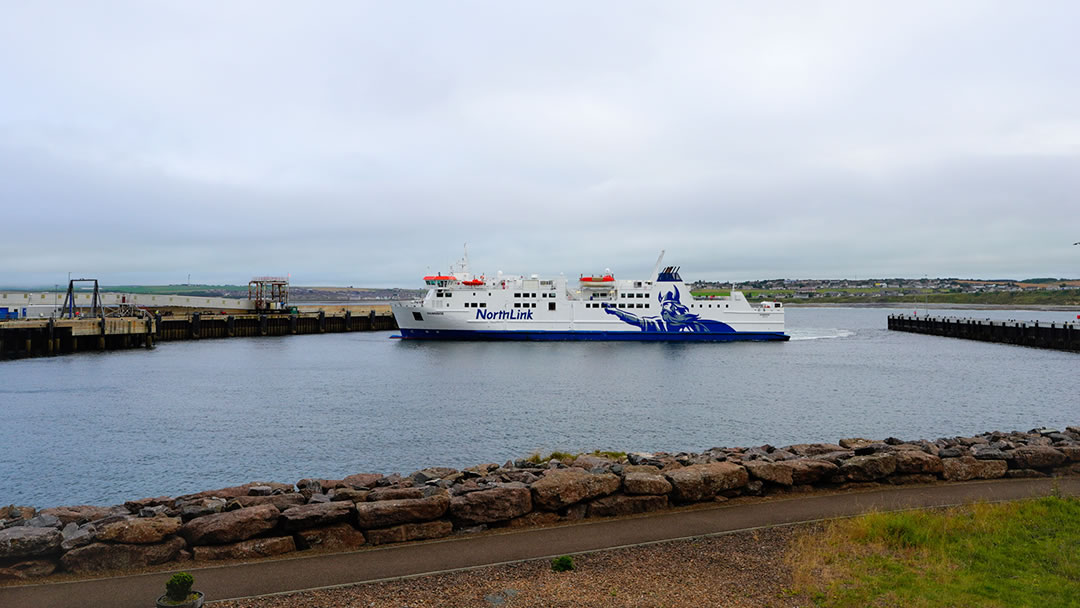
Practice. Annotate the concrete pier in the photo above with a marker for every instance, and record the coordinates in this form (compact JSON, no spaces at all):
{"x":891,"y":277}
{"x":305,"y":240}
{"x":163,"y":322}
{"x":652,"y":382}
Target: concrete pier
{"x":46,"y":337}
{"x":1059,"y":336}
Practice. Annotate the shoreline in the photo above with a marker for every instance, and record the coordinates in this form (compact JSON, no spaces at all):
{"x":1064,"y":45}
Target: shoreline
{"x":266,"y":519}
{"x":938,"y":306}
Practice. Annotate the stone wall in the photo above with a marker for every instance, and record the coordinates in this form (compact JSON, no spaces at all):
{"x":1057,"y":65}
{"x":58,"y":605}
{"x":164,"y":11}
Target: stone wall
{"x":263,"y":518}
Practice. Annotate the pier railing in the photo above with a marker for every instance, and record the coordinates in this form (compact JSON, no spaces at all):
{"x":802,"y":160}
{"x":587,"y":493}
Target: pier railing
{"x":1060,"y":336}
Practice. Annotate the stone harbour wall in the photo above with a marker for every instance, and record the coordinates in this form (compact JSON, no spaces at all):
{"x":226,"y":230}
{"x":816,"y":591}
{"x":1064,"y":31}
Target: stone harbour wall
{"x":262,"y":519}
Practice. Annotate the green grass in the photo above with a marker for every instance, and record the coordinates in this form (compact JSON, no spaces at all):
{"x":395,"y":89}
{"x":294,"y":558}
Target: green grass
{"x":1002,"y":555}
{"x":616,"y":456}
{"x":536,"y":458}
{"x":1043,"y":297}
{"x":183,"y":290}
{"x":563,"y":563}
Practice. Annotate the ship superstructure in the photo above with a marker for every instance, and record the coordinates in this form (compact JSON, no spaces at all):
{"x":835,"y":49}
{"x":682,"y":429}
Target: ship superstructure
{"x":462,"y":306}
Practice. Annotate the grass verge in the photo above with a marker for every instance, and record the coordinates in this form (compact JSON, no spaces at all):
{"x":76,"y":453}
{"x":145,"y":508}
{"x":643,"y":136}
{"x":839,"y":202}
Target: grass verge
{"x":1023,"y":553}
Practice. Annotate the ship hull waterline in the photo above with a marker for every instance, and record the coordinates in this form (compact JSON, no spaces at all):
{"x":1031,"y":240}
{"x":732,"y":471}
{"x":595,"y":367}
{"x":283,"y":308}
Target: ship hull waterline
{"x":565,"y":336}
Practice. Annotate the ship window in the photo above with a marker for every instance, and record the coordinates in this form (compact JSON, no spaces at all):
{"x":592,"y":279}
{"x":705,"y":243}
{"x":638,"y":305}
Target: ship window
{"x":646,"y":306}
{"x":639,"y":305}
{"x":417,"y":316}
{"x":517,"y":295}
{"x":725,"y":305}
{"x":551,"y":295}
{"x":534,"y":295}
{"x":517,"y":304}
{"x":551,"y":306}
{"x":483,"y":304}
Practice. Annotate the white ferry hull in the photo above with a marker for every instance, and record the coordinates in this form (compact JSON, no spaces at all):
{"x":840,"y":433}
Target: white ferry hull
{"x":517,"y":308}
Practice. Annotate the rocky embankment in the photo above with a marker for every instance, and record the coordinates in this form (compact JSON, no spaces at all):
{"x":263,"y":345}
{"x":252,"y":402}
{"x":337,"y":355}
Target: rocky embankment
{"x":263,"y":519}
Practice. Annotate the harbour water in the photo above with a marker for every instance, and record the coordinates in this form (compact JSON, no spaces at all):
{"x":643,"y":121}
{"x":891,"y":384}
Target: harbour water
{"x":101,"y":428}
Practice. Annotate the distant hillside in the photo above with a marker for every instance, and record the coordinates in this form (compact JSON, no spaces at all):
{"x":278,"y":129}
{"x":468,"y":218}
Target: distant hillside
{"x":297,"y":293}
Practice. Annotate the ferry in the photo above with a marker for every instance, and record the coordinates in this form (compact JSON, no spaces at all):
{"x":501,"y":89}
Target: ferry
{"x":460,"y":305}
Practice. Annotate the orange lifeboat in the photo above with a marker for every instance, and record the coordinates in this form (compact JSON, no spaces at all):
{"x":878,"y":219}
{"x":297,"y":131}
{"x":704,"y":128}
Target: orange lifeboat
{"x":473,"y":283}
{"x":597,"y":279}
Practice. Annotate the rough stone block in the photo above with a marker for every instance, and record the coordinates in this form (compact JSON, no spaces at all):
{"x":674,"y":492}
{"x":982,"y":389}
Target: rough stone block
{"x":404,"y":532}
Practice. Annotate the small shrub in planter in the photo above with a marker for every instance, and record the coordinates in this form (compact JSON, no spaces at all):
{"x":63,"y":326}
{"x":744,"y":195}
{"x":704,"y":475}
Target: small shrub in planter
{"x":562,"y":563}
{"x":178,"y":593}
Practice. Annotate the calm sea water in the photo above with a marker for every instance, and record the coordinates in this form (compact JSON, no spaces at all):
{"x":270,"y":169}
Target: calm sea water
{"x":188,"y":416}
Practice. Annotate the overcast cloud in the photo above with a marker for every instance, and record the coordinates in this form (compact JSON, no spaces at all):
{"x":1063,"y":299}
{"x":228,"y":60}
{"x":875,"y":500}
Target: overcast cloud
{"x":362,"y":143}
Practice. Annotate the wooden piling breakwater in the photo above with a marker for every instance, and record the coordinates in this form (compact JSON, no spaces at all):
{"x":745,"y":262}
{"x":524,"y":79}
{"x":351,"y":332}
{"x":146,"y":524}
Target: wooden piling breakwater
{"x":46,"y":337}
{"x":1059,"y":336}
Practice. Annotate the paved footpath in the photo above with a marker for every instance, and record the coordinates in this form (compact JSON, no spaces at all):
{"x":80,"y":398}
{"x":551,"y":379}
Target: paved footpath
{"x":308,"y":572}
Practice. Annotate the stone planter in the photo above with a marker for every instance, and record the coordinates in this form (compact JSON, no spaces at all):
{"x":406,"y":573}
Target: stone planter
{"x":165,"y":602}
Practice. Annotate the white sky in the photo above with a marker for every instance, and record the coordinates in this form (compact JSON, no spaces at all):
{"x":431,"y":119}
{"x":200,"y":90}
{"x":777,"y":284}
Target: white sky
{"x":361,"y":143}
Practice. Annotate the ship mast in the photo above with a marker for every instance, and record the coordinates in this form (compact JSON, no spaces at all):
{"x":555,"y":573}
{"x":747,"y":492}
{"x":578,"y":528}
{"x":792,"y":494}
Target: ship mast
{"x":656,"y":269}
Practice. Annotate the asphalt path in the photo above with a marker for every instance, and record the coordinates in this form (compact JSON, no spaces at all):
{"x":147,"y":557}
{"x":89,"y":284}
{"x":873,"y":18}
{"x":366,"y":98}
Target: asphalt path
{"x":464,"y":552}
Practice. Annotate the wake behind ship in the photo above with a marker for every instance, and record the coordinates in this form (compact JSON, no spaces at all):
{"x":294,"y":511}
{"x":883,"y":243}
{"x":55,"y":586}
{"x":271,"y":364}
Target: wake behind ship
{"x":463,"y":306}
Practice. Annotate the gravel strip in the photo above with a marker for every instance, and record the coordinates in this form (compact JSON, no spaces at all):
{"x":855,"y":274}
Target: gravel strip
{"x":734,"y":570}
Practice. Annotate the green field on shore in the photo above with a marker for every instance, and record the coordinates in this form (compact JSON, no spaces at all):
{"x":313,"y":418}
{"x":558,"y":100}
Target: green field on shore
{"x":175,"y":290}
{"x":1065,"y":297}
{"x":1024,"y":553}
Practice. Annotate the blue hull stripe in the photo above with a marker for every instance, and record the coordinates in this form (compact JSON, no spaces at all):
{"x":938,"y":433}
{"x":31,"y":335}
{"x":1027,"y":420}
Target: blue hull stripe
{"x":635,"y":336}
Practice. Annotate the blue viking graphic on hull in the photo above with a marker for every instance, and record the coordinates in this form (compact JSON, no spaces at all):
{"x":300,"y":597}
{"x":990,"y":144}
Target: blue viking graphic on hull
{"x":674,"y":317}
